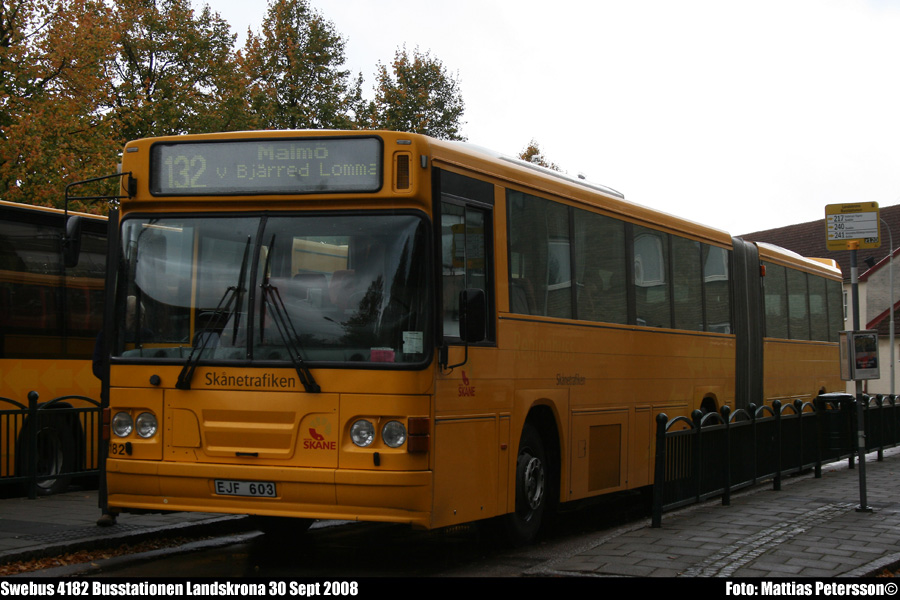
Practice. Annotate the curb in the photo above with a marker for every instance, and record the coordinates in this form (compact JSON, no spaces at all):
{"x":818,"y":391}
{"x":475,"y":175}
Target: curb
{"x":218,"y":525}
{"x":97,"y":566}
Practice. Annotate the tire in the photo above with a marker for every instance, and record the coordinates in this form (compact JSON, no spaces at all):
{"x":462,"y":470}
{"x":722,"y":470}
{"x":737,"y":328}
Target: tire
{"x":532,"y":484}
{"x":56,"y":453}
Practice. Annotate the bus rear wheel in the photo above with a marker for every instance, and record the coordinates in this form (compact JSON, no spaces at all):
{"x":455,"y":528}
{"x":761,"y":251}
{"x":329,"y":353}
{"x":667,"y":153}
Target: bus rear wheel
{"x":531,"y":488}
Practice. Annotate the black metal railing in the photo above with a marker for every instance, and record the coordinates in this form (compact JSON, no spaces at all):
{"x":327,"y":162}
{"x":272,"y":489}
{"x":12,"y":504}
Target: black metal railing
{"x":714,"y":454}
{"x":43,"y":446}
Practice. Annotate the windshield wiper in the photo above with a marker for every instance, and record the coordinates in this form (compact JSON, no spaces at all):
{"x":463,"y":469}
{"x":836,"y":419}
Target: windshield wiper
{"x":271,"y":299}
{"x":232,"y":295}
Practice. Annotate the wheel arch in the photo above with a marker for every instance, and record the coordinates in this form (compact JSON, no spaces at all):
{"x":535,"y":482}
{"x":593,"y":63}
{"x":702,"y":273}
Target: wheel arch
{"x":545,"y":419}
{"x":709,"y":403}
{"x":536,"y":479}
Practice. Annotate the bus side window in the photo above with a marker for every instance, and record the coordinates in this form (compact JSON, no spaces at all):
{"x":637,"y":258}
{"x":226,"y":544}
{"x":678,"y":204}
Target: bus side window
{"x":716,"y":286}
{"x":775,"y":288}
{"x":651,"y":281}
{"x":540,"y":254}
{"x":600,"y":268}
{"x":463,"y":258}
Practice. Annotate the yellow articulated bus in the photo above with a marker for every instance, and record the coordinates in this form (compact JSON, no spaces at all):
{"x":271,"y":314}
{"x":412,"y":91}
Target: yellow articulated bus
{"x":380,"y":326}
{"x":800,"y":297}
{"x":50,"y":315}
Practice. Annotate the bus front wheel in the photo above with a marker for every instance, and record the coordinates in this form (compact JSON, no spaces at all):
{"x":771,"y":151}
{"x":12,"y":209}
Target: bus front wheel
{"x":55,"y":453}
{"x":531,"y":488}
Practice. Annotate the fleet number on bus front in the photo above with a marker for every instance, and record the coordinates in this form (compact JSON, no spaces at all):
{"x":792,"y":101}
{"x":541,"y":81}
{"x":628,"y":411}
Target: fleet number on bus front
{"x":230,"y":487}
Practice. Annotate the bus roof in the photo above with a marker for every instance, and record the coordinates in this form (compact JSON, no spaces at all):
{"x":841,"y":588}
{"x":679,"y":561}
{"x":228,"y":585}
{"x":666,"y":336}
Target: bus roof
{"x":476,"y":158}
{"x":824,"y":266}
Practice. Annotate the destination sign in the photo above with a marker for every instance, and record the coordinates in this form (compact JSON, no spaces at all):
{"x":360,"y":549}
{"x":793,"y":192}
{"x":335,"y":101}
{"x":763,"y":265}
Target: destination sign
{"x":266,"y":166}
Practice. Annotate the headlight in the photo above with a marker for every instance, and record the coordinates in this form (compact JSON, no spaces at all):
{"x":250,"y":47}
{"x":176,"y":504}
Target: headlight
{"x":362,"y":433}
{"x":122,"y":425}
{"x":393,"y":434}
{"x":146,"y":425}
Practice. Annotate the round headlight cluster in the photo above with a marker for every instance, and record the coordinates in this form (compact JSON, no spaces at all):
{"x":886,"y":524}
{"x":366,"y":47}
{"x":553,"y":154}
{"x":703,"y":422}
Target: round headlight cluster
{"x":122,"y":424}
{"x":362,"y":433}
{"x":393,"y":434}
{"x":145,"y":425}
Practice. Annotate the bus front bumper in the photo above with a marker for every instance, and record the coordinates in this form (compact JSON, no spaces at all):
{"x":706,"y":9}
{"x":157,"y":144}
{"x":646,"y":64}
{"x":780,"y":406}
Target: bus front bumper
{"x":343,"y":494}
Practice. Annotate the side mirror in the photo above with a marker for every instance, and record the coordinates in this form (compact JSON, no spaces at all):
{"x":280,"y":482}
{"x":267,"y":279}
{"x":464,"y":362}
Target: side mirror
{"x":72,"y":242}
{"x":472,"y":315}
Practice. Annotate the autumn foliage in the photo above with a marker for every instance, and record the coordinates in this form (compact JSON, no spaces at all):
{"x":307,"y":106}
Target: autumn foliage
{"x":535,"y":155}
{"x":417,"y":94}
{"x":79,"y":78}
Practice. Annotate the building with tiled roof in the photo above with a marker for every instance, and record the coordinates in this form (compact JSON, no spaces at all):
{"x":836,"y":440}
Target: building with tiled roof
{"x":809,"y":239}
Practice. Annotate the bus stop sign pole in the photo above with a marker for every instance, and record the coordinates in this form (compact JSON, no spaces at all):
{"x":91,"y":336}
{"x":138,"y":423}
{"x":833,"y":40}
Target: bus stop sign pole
{"x":851,"y":227}
{"x":860,"y":422}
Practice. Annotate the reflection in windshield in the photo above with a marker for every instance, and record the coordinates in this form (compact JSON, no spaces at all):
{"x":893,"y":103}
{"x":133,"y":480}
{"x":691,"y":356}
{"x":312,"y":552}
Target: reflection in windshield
{"x":352,"y":288}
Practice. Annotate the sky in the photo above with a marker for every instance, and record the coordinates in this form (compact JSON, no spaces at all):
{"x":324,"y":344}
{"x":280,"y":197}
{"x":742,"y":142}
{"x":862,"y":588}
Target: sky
{"x":739,"y":115}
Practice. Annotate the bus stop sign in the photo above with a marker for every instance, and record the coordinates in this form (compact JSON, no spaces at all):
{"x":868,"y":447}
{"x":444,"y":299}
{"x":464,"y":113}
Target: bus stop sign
{"x":858,"y":222}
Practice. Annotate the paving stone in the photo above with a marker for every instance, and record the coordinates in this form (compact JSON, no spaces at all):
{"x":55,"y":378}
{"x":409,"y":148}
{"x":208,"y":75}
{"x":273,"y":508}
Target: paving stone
{"x":808,"y":529}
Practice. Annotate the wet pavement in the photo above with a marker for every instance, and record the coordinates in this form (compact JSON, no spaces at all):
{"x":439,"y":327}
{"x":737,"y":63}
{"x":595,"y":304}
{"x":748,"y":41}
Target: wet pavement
{"x":811,"y":528}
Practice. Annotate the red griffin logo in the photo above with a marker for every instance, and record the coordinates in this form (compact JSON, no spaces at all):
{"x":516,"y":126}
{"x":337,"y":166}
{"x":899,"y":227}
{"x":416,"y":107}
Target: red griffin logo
{"x":318,"y":429}
{"x":465,"y":388}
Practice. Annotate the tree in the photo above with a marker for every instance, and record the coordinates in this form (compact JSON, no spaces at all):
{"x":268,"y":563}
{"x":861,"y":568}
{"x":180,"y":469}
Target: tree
{"x":81,"y":77}
{"x":294,"y":71}
{"x":533,"y":154}
{"x":417,"y":95}
{"x":52,"y":56}
{"x":174,"y":71}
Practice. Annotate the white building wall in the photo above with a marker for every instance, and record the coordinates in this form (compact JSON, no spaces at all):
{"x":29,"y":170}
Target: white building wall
{"x":874,"y":299}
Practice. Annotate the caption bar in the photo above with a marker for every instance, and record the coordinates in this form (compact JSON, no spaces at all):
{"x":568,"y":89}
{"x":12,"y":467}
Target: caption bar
{"x":816,"y":588}
{"x":187,"y":588}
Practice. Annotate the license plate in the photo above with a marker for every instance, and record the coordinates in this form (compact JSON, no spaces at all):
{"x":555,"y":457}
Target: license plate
{"x":258,"y":489}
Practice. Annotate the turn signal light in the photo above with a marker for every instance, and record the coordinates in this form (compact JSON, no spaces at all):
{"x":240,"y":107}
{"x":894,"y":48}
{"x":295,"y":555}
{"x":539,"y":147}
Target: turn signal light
{"x":418,"y":425}
{"x":401,"y":171}
{"x":419,"y":429}
{"x":104,"y":424}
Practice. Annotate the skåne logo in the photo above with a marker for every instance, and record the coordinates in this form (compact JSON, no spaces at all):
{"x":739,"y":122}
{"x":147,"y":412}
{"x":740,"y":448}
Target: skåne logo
{"x":318,"y":430}
{"x":465,"y":388}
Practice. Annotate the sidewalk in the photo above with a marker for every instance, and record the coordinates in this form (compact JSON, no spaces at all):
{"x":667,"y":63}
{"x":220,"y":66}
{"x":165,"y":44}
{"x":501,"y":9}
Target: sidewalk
{"x":810,"y":528}
{"x":54,"y":525}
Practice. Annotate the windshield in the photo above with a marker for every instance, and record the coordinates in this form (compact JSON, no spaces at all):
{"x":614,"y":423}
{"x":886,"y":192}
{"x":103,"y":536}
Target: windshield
{"x":314,"y":288}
